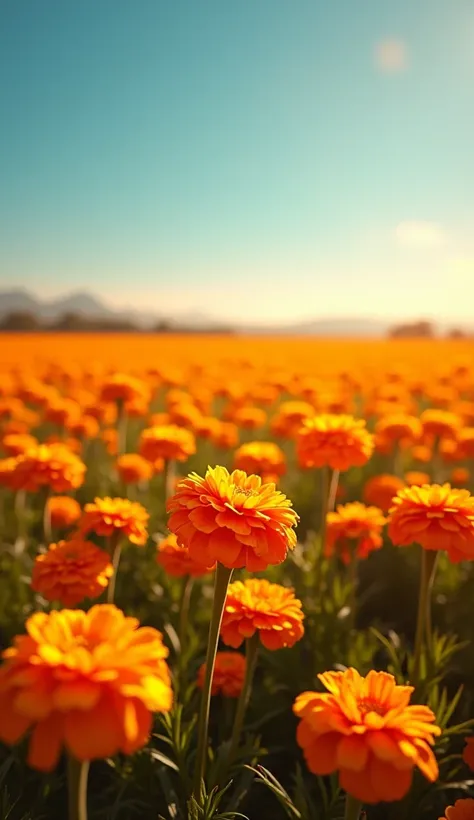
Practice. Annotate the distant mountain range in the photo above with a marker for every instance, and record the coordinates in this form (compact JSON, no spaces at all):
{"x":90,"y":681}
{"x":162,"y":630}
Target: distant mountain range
{"x":85,"y":304}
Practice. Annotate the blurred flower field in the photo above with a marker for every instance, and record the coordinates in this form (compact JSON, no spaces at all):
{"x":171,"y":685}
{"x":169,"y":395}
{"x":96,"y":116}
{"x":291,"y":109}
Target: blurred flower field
{"x":236,"y":578}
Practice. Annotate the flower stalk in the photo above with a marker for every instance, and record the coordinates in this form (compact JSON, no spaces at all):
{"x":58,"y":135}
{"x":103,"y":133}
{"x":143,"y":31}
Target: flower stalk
{"x":77,"y":775}
{"x":221,"y":583}
{"x":115,"y":551}
{"x":423,"y":636}
{"x":353,"y":808}
{"x":251,"y":654}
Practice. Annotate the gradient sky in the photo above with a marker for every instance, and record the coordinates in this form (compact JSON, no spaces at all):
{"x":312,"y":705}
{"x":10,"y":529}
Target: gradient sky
{"x":261,"y":159}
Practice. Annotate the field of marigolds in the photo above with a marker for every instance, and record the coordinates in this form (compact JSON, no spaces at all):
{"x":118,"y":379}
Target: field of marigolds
{"x":236,"y":578}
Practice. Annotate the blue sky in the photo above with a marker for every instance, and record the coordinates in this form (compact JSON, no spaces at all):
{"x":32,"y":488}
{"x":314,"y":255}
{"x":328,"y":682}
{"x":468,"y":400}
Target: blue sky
{"x":262,"y":159}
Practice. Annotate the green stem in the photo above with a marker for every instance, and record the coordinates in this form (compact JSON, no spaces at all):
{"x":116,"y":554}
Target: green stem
{"x":353,"y":808}
{"x":121,"y":428}
{"x":184,"y":613}
{"x":21,"y":518}
{"x":115,"y":549}
{"x":333,"y":490}
{"x":353,"y":583}
{"x":77,"y":774}
{"x":169,"y":474}
{"x":244,"y":697}
{"x":423,"y":622}
{"x":222,"y":578}
{"x":319,"y":553}
{"x":47,"y":532}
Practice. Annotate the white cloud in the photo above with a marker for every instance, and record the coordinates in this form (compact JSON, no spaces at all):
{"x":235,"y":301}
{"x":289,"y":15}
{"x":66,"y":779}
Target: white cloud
{"x":420,"y":234}
{"x":391,"y":56}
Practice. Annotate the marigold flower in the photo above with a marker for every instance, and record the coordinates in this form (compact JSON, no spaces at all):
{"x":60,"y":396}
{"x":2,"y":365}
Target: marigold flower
{"x":62,"y":411}
{"x":399,"y":427}
{"x":256,"y":605}
{"x":84,"y":680}
{"x":170,"y":442}
{"x":232,"y":518}
{"x":225,"y":435}
{"x":462,"y":810}
{"x":71,"y":571}
{"x":465,"y":440}
{"x":416,"y":477}
{"x":7,"y":472}
{"x":468,"y":752}
{"x":120,"y":387}
{"x":133,"y":468}
{"x":49,"y":465}
{"x":381,"y":489}
{"x":229,"y":674}
{"x":63,"y":511}
{"x":264,"y":458}
{"x":366,"y":729}
{"x":116,"y":516}
{"x":440,"y":423}
{"x":249,"y":418}
{"x":86,"y":427}
{"x":354,"y":529}
{"x":422,"y":453}
{"x":110,"y":439}
{"x":289,"y":418}
{"x":435,"y":516}
{"x":339,"y":442}
{"x":15,"y":444}
{"x":460,"y":476}
{"x":186,"y":415}
{"x":176,"y":560}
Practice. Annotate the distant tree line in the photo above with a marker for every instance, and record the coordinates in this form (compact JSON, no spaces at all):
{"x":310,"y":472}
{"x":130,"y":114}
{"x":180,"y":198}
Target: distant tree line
{"x":26,"y":322}
{"x":421,"y":330}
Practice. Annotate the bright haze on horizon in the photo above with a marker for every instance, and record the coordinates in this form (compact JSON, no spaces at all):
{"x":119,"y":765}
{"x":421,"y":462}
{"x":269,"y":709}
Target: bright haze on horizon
{"x":267,"y":159}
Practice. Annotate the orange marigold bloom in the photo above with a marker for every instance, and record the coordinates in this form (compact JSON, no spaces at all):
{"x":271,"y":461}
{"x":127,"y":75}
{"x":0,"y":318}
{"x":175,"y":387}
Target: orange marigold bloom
{"x":7,"y":472}
{"x":176,"y":560}
{"x":256,"y":605}
{"x":289,"y":418}
{"x":468,"y":752}
{"x":110,"y":439}
{"x":339,"y":442}
{"x":84,"y":680}
{"x":460,"y":476}
{"x":133,"y":468}
{"x":440,"y":423}
{"x":381,"y":489}
{"x":229,"y":674}
{"x":15,"y":444}
{"x":225,"y":435}
{"x":62,"y":411}
{"x":263,"y":458}
{"x":170,"y":442}
{"x":232,"y":518}
{"x":465,"y":441}
{"x":366,"y":729}
{"x":49,"y":465}
{"x":121,"y":387}
{"x":354,"y":528}
{"x":249,"y":418}
{"x":85,"y":427}
{"x":186,"y":415}
{"x":435,"y":516}
{"x":63,"y":510}
{"x":116,"y":516}
{"x":416,"y":477}
{"x":399,"y":427}
{"x":462,"y":810}
{"x":422,"y":453}
{"x":71,"y":571}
